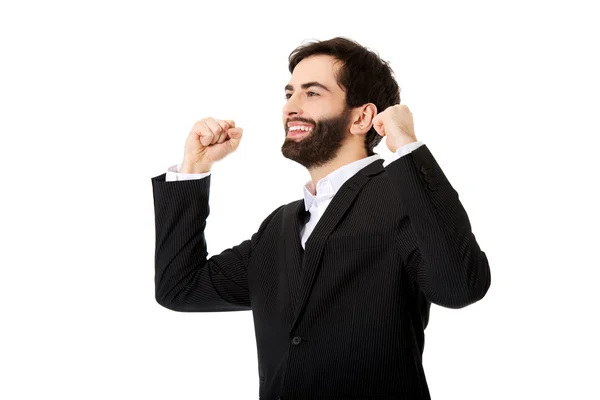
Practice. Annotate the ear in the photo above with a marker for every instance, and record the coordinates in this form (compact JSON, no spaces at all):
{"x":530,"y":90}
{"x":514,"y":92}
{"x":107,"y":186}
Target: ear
{"x":363,"y":119}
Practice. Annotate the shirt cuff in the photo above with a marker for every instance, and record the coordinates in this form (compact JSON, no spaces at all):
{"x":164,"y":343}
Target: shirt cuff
{"x":173,"y":174}
{"x":407,"y":148}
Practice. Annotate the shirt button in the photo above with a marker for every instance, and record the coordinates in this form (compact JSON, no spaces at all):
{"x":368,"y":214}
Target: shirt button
{"x":296,"y":340}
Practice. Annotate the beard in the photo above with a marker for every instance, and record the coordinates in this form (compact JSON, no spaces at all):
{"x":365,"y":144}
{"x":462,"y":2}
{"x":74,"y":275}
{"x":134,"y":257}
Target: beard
{"x":322,"y":144}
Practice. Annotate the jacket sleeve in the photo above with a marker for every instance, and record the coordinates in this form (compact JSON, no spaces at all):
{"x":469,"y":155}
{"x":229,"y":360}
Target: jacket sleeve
{"x":185,"y":280}
{"x":438,"y":248}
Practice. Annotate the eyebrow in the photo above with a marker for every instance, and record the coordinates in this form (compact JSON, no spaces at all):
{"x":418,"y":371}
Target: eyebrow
{"x":307,"y":85}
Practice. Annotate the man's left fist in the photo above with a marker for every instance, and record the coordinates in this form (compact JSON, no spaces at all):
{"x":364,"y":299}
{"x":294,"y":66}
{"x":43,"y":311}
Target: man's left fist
{"x":395,"y":123}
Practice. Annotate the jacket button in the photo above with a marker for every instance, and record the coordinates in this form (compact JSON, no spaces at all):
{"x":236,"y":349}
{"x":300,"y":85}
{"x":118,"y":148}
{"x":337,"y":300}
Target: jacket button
{"x":296,"y":340}
{"x":432,"y":186}
{"x":424,"y":170}
{"x":427,"y":178}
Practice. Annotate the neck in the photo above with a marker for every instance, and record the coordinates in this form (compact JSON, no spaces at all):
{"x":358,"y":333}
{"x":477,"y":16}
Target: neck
{"x":344,"y":157}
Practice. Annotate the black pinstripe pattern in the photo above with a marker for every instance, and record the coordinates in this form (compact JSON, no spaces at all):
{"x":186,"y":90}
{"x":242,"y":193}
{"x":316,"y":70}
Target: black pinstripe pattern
{"x":345,"y":318}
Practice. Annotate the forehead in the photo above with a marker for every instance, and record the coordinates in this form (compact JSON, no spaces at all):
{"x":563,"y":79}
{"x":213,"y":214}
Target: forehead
{"x":321,"y":68}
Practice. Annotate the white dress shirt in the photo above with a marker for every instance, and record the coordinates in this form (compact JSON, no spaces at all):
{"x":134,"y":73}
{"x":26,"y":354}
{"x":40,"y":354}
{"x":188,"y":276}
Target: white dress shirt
{"x":327,"y":187}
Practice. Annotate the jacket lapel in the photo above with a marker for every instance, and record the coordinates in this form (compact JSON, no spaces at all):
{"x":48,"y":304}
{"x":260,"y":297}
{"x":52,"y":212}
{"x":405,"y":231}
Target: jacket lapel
{"x":294,"y":217}
{"x":301,"y":269}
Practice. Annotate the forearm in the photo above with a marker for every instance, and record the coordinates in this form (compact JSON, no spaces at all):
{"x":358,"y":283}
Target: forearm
{"x":184,"y":279}
{"x":448,"y":265}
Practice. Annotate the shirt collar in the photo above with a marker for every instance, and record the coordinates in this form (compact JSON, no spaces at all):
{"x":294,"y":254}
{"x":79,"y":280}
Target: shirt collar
{"x":328,"y":186}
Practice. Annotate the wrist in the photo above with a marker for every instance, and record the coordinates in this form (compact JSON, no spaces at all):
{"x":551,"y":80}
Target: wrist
{"x":198,"y":168}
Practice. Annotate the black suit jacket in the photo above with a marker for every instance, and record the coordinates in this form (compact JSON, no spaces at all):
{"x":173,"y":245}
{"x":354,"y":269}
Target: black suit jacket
{"x":345,"y":318}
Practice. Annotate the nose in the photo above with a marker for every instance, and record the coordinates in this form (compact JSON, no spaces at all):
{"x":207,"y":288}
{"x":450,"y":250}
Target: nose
{"x":291,"y":107}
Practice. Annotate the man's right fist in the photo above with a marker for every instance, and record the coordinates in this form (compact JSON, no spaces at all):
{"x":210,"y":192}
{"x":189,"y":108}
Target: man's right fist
{"x":209,"y":141}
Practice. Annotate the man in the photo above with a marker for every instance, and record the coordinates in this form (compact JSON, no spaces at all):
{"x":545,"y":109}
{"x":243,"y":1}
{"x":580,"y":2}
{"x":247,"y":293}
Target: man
{"x":340,"y":283}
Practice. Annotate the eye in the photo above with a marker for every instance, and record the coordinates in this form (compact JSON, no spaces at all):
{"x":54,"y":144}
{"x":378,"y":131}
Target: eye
{"x":287,"y":95}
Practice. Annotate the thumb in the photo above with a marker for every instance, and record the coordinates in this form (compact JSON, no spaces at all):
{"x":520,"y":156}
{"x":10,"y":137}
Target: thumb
{"x":378,"y":126}
{"x":235,"y":135}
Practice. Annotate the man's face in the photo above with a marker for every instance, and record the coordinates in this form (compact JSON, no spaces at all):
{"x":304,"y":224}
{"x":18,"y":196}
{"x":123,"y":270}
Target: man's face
{"x":321,"y":110}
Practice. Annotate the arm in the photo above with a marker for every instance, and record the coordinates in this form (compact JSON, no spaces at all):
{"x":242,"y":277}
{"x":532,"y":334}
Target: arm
{"x":185,"y":280}
{"x":438,"y":248}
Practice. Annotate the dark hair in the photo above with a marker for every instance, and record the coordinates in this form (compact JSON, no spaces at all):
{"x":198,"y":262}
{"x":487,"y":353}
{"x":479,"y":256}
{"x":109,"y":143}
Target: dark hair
{"x":363,"y":74}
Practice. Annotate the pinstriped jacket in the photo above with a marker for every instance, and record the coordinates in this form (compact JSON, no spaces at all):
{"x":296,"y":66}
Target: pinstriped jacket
{"x":345,"y":318}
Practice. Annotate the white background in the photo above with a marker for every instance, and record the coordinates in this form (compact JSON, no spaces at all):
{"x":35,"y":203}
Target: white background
{"x":98,"y":97}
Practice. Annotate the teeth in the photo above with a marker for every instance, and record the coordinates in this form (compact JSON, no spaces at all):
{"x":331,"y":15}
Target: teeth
{"x":300,"y":128}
